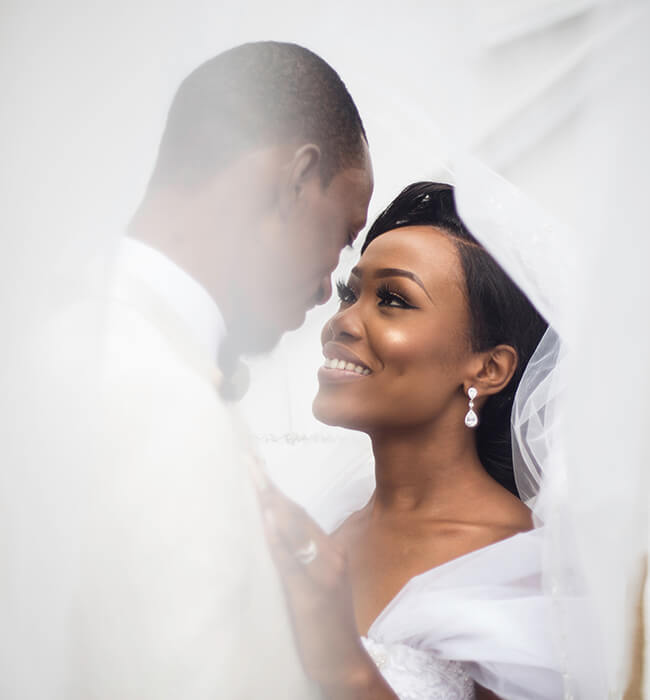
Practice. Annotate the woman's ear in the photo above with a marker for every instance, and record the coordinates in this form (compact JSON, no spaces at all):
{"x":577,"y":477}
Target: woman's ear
{"x":303,"y":167}
{"x":496,"y":370}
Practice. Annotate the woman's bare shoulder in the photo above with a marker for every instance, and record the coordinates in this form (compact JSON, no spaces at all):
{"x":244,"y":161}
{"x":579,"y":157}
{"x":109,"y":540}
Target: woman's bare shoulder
{"x":499,"y":515}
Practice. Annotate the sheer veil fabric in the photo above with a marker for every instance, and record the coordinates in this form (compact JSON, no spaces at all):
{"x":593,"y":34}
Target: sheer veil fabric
{"x":550,"y":179}
{"x":578,"y":420}
{"x":537,"y":111}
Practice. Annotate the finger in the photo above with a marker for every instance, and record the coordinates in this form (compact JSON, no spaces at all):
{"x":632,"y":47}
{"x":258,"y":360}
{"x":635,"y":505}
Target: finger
{"x":285,"y":524}
{"x":294,"y":527}
{"x":257,"y":470}
{"x":293,"y":522}
{"x":293,"y":535}
{"x":325,"y":567}
{"x":283,"y":554}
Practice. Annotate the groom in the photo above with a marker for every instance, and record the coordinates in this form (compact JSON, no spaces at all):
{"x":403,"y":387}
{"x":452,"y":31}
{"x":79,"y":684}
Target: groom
{"x":262,"y":177}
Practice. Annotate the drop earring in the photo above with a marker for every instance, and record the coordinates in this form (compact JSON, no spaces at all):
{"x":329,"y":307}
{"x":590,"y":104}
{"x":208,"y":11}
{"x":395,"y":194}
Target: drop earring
{"x":471,"y":419}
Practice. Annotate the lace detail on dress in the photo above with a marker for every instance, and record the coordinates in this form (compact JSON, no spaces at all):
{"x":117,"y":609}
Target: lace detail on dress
{"x":414,"y":674}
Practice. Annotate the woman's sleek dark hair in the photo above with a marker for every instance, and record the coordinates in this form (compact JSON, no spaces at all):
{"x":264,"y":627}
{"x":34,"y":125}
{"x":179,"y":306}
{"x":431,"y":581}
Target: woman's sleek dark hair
{"x":500,"y":312}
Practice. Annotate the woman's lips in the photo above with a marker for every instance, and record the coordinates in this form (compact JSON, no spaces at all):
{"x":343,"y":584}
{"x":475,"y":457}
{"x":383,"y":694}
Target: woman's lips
{"x":345,"y":365}
{"x":341,"y":353}
{"x":338,"y":370}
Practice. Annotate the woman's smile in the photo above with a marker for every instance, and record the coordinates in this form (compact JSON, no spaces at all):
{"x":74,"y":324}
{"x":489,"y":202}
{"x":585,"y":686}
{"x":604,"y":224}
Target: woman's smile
{"x":389,"y":328}
{"x":341,"y":364}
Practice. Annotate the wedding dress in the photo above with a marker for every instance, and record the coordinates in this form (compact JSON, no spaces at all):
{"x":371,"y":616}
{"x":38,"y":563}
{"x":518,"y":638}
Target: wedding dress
{"x":480,"y":618}
{"x":414,"y":674}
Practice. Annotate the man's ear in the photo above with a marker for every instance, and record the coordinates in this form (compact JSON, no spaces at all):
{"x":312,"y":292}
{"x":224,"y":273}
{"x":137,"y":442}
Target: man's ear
{"x":495,"y":370}
{"x":303,"y":167}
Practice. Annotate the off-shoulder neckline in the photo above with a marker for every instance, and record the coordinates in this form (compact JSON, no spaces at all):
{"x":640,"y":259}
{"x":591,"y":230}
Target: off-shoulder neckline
{"x":443,"y":567}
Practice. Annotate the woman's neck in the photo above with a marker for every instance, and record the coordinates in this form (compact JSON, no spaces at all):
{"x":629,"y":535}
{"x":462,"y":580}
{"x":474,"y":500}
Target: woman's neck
{"x":427,"y":470}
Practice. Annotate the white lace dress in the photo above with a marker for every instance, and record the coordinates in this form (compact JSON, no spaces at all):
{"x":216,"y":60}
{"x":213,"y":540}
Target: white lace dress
{"x":415,"y":674}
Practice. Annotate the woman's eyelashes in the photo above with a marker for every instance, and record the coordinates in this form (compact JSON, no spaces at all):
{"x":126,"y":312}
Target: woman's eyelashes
{"x":387,"y":296}
{"x":345,"y":292}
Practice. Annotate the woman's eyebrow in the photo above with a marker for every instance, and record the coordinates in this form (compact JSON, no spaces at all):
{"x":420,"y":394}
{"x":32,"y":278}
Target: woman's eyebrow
{"x":394,"y":272}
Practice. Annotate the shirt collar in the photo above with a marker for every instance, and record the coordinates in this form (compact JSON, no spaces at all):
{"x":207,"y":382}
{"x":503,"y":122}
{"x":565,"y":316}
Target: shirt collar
{"x":181,"y":291}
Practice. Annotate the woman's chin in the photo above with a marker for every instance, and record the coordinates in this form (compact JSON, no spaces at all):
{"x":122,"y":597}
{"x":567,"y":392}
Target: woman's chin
{"x":332,"y":413}
{"x":324,"y":413}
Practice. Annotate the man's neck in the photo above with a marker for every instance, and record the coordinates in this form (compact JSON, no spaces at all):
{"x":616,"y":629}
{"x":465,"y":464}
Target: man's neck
{"x":170,"y":223}
{"x":214,"y":230}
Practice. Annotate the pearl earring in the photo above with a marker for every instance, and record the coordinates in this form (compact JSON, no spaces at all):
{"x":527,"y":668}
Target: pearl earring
{"x":471,"y":419}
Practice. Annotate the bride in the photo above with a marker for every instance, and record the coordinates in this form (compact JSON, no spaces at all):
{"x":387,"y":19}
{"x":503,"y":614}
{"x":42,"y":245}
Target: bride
{"x":433,"y":588}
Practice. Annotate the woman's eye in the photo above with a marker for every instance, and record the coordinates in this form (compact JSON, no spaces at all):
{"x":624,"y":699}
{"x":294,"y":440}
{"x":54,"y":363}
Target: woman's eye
{"x":346,"y":293}
{"x":389,"y":298}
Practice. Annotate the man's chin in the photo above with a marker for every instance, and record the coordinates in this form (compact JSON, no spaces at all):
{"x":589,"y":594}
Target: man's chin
{"x":272,"y":336}
{"x":261,"y":338}
{"x":297,"y":323}
{"x":260,"y":343}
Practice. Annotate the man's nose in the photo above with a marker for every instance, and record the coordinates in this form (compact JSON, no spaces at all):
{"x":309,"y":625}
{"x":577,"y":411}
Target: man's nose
{"x":324,"y":291}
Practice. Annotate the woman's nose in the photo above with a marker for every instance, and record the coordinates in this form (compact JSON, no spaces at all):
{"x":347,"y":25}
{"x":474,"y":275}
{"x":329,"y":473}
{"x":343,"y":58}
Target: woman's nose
{"x":346,"y":324}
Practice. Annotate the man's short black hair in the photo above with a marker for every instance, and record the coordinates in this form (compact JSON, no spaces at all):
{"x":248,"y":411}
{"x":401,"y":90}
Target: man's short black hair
{"x":256,"y":95}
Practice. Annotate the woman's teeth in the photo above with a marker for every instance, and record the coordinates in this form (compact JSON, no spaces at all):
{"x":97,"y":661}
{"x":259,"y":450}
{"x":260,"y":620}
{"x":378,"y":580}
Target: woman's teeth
{"x":342,"y":364}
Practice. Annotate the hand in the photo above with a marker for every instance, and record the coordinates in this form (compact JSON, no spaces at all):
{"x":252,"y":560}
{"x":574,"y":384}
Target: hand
{"x":314,"y":572}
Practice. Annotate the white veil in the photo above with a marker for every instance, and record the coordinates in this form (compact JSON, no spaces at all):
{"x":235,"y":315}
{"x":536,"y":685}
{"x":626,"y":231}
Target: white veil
{"x":580,"y":413}
{"x":551,"y":95}
{"x":539,"y":254}
{"x":553,"y":100}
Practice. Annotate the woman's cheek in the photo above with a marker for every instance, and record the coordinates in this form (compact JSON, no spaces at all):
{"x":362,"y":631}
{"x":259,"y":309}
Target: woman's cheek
{"x":403,"y":351}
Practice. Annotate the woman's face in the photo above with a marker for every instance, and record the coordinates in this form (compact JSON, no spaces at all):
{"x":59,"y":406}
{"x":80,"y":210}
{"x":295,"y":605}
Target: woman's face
{"x":403,"y":332}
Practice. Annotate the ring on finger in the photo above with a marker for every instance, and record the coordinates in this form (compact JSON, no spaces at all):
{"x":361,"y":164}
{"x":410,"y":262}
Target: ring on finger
{"x":306,"y":555}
